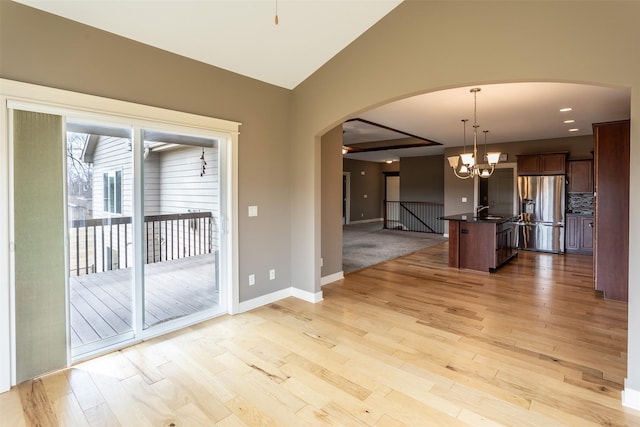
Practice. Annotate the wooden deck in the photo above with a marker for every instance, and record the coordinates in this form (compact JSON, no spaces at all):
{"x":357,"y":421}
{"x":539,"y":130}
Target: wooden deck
{"x":101,"y":303}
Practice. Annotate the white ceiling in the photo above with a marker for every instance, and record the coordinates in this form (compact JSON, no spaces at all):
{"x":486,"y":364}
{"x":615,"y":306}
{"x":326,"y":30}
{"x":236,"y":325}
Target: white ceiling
{"x":241,"y":36}
{"x":236,"y":35}
{"x":510,"y":111}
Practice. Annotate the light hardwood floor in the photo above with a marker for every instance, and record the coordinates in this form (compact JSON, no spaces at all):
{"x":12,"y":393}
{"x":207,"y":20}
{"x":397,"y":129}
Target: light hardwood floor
{"x":407,"y":342}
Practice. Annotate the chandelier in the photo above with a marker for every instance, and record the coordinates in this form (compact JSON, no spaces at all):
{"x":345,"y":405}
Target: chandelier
{"x":471,"y":166}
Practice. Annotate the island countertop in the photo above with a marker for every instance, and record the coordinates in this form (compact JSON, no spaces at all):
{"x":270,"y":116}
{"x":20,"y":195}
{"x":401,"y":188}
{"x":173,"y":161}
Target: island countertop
{"x":491,"y":218}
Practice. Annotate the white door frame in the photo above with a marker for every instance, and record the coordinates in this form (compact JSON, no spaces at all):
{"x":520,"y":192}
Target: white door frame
{"x":392,"y":212}
{"x":5,"y":249}
{"x":55,"y":101}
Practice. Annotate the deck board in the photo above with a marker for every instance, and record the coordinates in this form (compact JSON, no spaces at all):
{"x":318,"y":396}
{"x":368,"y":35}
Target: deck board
{"x":120,"y":309}
{"x":101,"y":303}
{"x":108,"y":309}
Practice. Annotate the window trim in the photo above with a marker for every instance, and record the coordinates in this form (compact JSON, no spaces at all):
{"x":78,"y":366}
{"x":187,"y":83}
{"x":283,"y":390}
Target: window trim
{"x":112,"y":203}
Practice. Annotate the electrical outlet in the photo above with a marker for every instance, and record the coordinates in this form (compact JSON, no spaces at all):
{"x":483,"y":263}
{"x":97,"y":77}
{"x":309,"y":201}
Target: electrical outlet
{"x":252,"y":279}
{"x":464,"y":200}
{"x":272,"y":274}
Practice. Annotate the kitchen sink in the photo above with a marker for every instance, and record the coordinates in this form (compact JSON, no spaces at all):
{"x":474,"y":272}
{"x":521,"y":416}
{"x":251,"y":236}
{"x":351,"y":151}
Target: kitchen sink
{"x":489,"y":217}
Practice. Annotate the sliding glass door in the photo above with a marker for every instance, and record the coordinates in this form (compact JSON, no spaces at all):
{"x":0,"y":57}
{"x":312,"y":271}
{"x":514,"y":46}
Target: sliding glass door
{"x":181,"y":226}
{"x":143,"y":232}
{"x":100,"y":229}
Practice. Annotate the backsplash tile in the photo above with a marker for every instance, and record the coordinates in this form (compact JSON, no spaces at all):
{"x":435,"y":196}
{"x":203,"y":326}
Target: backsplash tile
{"x":580,"y":202}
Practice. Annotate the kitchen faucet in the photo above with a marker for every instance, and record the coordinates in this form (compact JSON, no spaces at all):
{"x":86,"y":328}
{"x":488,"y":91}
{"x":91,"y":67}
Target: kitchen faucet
{"x":480,"y":209}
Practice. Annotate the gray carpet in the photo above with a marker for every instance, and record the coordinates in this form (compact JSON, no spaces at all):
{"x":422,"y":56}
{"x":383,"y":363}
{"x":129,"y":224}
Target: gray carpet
{"x":367,"y":244}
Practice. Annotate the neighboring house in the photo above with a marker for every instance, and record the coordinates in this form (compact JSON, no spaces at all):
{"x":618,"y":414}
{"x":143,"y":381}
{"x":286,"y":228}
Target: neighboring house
{"x":175,"y":184}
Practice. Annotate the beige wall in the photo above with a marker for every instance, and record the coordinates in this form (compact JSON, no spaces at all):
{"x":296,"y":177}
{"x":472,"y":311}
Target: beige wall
{"x":367,"y":189}
{"x":424,"y":46}
{"x":332,"y":201}
{"x":422,"y":179}
{"x":44,"y":49}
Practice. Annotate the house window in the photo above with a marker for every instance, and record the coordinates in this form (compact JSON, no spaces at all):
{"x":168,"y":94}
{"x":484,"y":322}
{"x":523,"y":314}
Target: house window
{"x":112,"y":191}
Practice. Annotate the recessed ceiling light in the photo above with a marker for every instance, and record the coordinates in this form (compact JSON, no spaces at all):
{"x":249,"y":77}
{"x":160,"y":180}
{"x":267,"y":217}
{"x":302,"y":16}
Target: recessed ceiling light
{"x":570,"y":121}
{"x":574,"y":130}
{"x":564,"y":110}
{"x":388,"y":161}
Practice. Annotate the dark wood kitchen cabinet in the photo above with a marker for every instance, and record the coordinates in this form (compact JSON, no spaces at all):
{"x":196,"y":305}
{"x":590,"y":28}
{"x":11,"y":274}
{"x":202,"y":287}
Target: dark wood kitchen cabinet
{"x":579,"y":234}
{"x":484,"y":245}
{"x":542,"y":164}
{"x":580,"y":176}
{"x":505,"y":244}
{"x":529,"y":165}
{"x":611,"y":199}
{"x":477,"y":245}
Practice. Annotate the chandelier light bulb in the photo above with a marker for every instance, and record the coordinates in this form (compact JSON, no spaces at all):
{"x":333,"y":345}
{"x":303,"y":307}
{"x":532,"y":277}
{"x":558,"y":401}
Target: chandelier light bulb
{"x":493,"y":158}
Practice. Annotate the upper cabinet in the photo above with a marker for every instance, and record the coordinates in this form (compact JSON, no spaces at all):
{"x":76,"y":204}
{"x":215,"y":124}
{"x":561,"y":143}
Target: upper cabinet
{"x":580,"y":176}
{"x":542,"y":164}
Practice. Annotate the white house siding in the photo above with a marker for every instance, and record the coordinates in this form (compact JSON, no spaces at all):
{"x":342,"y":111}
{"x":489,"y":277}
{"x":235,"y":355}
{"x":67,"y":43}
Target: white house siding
{"x":111,"y":154}
{"x":152,"y":177}
{"x":184,"y":189}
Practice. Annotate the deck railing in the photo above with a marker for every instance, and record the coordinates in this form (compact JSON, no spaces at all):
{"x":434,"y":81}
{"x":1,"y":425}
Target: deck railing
{"x":414,"y":216}
{"x":104,"y":244}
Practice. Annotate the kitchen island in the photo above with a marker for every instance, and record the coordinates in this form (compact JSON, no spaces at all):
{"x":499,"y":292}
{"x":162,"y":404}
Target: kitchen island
{"x":482,"y":243}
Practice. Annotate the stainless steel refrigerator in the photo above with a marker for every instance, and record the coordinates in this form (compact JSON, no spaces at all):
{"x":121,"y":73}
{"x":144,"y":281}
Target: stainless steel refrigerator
{"x":542,"y":206}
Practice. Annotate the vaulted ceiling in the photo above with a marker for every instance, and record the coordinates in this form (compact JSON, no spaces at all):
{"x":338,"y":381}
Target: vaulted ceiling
{"x":242,"y":36}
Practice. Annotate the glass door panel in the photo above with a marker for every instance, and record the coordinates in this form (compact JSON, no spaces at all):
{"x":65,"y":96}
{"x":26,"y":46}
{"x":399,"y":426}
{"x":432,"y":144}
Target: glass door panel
{"x":181,"y":226}
{"x":99,"y":197}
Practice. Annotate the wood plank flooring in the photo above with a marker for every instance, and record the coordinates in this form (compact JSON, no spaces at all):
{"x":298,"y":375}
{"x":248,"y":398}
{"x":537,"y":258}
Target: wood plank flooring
{"x":101,"y":303}
{"x":409,"y":342}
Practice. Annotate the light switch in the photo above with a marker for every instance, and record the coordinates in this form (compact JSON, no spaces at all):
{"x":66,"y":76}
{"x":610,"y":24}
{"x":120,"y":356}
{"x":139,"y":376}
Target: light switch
{"x":464,"y":200}
{"x":253,"y":211}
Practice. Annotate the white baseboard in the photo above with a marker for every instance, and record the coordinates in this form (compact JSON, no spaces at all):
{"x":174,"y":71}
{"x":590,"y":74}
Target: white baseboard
{"x":277,"y":296}
{"x":331,"y":278}
{"x":364,"y":221}
{"x":263,"y":300}
{"x":306,"y":295}
{"x":630,"y":397}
